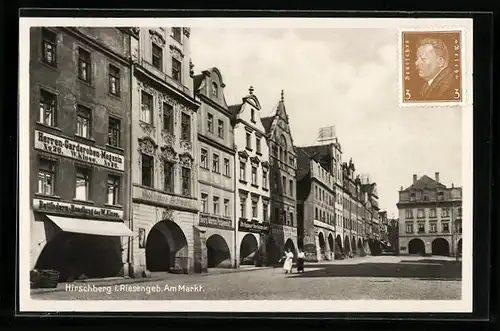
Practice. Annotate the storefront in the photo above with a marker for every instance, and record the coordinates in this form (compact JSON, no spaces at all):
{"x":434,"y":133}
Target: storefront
{"x":219,"y":234}
{"x":252,"y":237}
{"x":78,"y":241}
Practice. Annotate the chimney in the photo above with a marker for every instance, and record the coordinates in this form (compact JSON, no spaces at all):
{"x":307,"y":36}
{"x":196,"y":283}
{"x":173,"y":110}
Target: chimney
{"x":437,"y":176}
{"x":414,"y":178}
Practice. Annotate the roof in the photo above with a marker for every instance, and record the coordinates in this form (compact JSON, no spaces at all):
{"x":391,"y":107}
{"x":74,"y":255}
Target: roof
{"x":368,"y":188}
{"x":425,"y":182}
{"x":303,"y":166}
{"x":197,"y":79}
{"x":267,"y":122}
{"x":235,"y":109}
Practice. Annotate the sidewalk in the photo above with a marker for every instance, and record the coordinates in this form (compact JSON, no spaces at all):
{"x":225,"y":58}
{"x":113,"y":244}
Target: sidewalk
{"x":61,"y":287}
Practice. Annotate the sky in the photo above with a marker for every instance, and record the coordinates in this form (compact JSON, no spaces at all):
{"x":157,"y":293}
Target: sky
{"x":347,"y":78}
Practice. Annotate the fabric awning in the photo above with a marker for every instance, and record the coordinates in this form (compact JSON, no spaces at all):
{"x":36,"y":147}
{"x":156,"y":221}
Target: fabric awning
{"x":103,"y":228}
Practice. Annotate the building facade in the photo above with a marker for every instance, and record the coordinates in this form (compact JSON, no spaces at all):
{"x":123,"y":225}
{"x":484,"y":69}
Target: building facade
{"x":251,"y":176}
{"x":216,"y":175}
{"x":315,"y":208}
{"x":79,"y":160}
{"x":165,"y":160}
{"x":283,"y":161}
{"x":430,"y":218}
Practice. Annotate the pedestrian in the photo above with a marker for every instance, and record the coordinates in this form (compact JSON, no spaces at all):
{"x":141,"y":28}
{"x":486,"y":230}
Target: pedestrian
{"x":300,"y":261}
{"x":287,"y":265}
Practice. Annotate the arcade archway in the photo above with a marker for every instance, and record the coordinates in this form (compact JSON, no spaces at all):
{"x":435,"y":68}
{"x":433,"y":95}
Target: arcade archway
{"x":218,"y":253}
{"x":76,"y":254}
{"x":459,"y":247}
{"x":347,"y":244}
{"x":338,"y":243}
{"x":248,"y":249}
{"x":353,"y":244}
{"x":331,"y":242}
{"x":322,"y":244}
{"x":290,"y":245}
{"x":416,"y":246}
{"x":440,"y":247}
{"x":166,"y":247}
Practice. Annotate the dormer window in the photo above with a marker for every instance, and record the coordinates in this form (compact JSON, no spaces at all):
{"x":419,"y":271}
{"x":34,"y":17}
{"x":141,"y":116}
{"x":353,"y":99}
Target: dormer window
{"x":215,"y":91}
{"x":177,"y":33}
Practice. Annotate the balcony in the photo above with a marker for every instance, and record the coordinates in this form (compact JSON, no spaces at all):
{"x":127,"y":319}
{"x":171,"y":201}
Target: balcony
{"x":163,"y":76}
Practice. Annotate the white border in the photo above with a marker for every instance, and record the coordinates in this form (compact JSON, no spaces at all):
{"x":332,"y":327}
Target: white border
{"x":463,"y":59}
{"x":26,"y":304}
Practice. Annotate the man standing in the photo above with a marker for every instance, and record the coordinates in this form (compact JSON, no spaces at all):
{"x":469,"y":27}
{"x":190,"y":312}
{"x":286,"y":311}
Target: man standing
{"x":432,"y":66}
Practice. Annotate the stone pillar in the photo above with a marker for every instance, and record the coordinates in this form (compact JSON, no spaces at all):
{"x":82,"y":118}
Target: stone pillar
{"x":199,"y":250}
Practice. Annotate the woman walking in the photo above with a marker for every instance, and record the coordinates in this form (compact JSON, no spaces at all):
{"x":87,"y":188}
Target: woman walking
{"x":300,"y":261}
{"x":287,"y":265}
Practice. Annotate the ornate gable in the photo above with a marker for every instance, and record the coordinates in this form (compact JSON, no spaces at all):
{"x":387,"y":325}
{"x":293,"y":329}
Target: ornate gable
{"x":186,"y":160}
{"x":147,"y":146}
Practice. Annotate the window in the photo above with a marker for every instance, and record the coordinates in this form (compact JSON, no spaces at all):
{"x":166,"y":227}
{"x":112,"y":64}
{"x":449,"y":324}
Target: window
{"x":445,"y":212}
{"x":147,"y":170}
{"x":168,"y":176}
{"x":215,"y":90}
{"x":48,"y":107}
{"x":186,"y":181}
{"x":210,"y":123}
{"x":459,"y":211}
{"x":49,"y":47}
{"x":254,"y":175}
{"x":257,"y":145}
{"x":290,"y":160}
{"x":283,"y":182}
{"x":204,"y":159}
{"x":243,"y":208}
{"x":433,"y":227}
{"x":227,"y":208}
{"x":46,"y":177}
{"x":204,"y":200}
{"x":146,"y":108}
{"x":215,"y":163}
{"x":243,"y":171}
{"x":446,"y":227}
{"x":227,"y":168}
{"x":458,"y":227}
{"x":421,"y":227}
{"x":265,"y":211}
{"x":157,"y":54}
{"x":168,"y":117}
{"x":291,"y":219}
{"x":253,"y":115}
{"x":290,"y":187}
{"x":113,"y":190}
{"x":83,"y":122}
{"x":432,"y":212}
{"x":264,"y":178}
{"x":176,"y":69}
{"x":185,"y":127}
{"x":82,"y":184}
{"x":221,"y":129}
{"x":440,"y":195}
{"x":216,"y":206}
{"x":409,"y":213}
{"x":409,"y":227}
{"x":177,"y":33}
{"x":114,"y":132}
{"x":254,"y":209}
{"x":316,"y":192}
{"x":249,"y":140}
{"x":316,"y":216}
{"x":84,"y":65}
{"x":114,"y":80}
{"x":412,"y":197}
{"x":420,"y":213}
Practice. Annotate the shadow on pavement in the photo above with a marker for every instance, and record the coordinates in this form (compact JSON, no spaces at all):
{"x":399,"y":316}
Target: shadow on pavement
{"x":437,"y":270}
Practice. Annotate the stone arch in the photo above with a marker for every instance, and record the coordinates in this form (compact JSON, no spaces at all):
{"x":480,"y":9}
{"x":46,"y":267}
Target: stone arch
{"x":218,"y":252}
{"x":322,"y":243}
{"x":459,"y":246}
{"x":347,"y":244}
{"x":360,"y":244}
{"x":248,"y":249}
{"x":416,"y":246}
{"x":166,"y":247}
{"x":338,"y":243}
{"x":331,"y":242}
{"x":353,"y":244}
{"x":289,"y":244}
{"x":75,"y":254}
{"x":440,"y":246}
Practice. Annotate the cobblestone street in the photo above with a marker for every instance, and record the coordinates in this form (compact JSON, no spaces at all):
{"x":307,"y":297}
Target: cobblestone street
{"x":381,"y":278}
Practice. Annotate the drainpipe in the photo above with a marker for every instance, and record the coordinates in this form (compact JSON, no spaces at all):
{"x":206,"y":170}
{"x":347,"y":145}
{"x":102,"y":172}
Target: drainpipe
{"x":235,"y":210}
{"x":129,"y":178}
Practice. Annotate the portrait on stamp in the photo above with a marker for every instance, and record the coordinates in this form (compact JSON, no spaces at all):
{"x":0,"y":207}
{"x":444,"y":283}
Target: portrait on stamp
{"x":431,"y":66}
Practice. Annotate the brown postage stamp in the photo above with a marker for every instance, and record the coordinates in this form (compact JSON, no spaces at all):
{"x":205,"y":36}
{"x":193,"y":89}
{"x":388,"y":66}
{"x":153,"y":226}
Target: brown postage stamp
{"x":431,"y":67}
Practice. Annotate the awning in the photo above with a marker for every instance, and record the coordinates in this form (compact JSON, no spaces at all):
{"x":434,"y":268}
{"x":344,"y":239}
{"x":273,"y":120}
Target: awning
{"x":103,"y":228}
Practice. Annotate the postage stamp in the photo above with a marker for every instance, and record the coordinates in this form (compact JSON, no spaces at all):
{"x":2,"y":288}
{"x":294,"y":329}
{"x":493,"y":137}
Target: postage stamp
{"x":431,"y":67}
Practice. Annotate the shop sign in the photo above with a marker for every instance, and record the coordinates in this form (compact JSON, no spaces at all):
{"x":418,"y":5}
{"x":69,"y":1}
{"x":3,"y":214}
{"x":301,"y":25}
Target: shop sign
{"x":168,"y":200}
{"x":253,"y":226}
{"x":76,"y":209}
{"x":74,"y":150}
{"x":216,"y":222}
